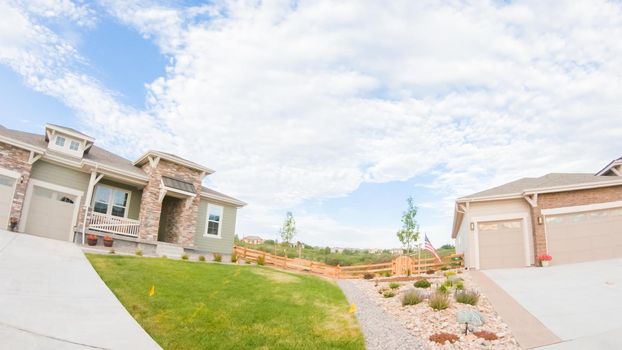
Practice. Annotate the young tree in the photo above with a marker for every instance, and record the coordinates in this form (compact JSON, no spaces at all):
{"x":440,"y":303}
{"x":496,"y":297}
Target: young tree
{"x":288,"y":231}
{"x":409,"y":233}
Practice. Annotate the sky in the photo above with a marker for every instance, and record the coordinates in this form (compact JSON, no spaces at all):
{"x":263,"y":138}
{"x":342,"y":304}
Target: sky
{"x":335,"y":110}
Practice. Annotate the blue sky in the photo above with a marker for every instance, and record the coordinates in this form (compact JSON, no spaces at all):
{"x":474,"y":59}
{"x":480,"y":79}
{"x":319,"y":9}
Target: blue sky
{"x":336,"y":111}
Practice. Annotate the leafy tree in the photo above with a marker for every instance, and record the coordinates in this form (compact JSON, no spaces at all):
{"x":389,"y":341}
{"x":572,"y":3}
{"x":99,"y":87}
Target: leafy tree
{"x":269,"y":241}
{"x":447,"y":247}
{"x":288,"y":231}
{"x":409,"y":233}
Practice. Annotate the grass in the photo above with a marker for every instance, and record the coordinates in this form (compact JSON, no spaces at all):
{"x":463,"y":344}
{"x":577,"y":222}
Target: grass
{"x":412,"y":298}
{"x":439,"y":301}
{"x":218,"y":306}
{"x":470,"y":297}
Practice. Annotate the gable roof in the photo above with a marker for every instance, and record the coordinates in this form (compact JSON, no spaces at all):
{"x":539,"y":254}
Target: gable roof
{"x":172,"y":158}
{"x":252,"y":237}
{"x":70,"y":131}
{"x":608,"y":167}
{"x":533,"y":184}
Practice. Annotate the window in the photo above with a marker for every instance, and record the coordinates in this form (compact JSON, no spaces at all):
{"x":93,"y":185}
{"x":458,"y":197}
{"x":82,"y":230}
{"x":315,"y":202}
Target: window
{"x":74,"y":145}
{"x":111,"y":201}
{"x":60,"y":141}
{"x":214,"y":220}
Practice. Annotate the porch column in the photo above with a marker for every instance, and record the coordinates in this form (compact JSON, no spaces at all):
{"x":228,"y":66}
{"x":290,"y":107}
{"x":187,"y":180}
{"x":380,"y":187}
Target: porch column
{"x":95,"y":177}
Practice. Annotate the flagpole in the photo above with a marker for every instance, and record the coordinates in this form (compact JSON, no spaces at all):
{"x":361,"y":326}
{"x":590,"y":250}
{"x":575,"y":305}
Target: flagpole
{"x":419,"y":257}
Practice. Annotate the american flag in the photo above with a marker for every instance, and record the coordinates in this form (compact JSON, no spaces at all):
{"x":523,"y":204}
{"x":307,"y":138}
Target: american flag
{"x":429,"y":247}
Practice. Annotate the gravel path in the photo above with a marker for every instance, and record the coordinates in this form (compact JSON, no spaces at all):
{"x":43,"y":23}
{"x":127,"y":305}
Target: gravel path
{"x":381,"y":330}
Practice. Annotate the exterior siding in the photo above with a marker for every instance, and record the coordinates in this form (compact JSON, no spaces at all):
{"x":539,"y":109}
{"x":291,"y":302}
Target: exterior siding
{"x":223,"y":245}
{"x":60,"y":175}
{"x":481,"y":209}
{"x":134,"y":208}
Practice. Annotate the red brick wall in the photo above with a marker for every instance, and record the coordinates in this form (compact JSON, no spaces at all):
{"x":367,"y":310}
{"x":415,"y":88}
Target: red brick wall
{"x":568,"y":199}
{"x":16,"y":159}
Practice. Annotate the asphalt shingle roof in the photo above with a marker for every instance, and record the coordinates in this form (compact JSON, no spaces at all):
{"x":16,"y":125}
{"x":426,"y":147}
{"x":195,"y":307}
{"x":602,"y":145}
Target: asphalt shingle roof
{"x":546,"y":181}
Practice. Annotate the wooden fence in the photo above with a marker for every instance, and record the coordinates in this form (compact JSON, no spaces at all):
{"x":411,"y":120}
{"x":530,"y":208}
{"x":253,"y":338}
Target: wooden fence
{"x":401,"y":265}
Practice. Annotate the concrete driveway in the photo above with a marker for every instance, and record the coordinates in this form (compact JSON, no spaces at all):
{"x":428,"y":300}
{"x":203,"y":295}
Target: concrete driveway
{"x":580,"y":303}
{"x":51,"y":298}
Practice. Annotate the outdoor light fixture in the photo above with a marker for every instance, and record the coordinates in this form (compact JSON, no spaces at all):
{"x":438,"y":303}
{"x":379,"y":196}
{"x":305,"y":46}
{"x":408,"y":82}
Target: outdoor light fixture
{"x":21,"y":179}
{"x":540,"y":220}
{"x":472,"y":226}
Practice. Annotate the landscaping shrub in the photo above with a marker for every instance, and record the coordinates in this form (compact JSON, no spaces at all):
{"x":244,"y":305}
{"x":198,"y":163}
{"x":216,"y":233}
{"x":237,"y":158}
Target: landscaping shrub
{"x":444,"y":268}
{"x":439,"y":301}
{"x":388,"y":294}
{"x":423,"y":284}
{"x":430,"y":272}
{"x":412,"y":298}
{"x":261,"y":260}
{"x":184,"y":256}
{"x":382,"y":290}
{"x":201,"y":257}
{"x":470,"y":297}
{"x":441,"y":338}
{"x":449,"y":273}
{"x":459,"y":285}
{"x":368,"y":275}
{"x":386,"y":274}
{"x":234,"y":257}
{"x":217,"y":257}
{"x":442,"y":289}
{"x":486,"y":335}
{"x":394,"y":285}
{"x":139,"y":252}
{"x":448,"y":284}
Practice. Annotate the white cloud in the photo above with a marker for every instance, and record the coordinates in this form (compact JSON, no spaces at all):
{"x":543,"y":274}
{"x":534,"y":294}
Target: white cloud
{"x":303,"y":100}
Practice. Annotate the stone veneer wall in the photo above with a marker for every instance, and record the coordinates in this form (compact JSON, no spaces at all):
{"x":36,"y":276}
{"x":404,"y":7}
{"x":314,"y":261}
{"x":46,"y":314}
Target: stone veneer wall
{"x":183,"y":223}
{"x":16,"y":159}
{"x":567,"y":199}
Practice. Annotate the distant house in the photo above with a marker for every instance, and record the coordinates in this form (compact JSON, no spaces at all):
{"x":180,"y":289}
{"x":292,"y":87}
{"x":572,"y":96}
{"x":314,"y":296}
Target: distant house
{"x":253,"y":240}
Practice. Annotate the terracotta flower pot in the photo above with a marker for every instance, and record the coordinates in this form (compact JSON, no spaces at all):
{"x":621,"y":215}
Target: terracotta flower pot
{"x":108,"y":242}
{"x":544,"y":263}
{"x":91,"y":241}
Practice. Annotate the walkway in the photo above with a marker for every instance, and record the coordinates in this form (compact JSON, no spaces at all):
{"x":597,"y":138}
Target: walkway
{"x":51,"y":298}
{"x":381,"y":330}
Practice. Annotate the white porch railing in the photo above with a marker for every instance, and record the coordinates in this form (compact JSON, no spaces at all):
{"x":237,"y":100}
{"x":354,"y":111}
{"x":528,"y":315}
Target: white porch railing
{"x":114,"y":224}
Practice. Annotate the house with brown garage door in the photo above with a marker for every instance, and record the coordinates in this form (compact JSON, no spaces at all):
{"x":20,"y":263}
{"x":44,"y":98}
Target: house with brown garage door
{"x":573,"y":217}
{"x":60,"y":185}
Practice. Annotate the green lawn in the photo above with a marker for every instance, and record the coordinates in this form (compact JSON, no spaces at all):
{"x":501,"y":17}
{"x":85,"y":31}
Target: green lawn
{"x":217,"y":306}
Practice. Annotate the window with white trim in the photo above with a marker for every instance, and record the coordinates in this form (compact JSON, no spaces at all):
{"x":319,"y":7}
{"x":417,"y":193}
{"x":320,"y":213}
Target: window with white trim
{"x":111,"y":201}
{"x":60,"y":141}
{"x":213,"y":222}
{"x":74,"y":145}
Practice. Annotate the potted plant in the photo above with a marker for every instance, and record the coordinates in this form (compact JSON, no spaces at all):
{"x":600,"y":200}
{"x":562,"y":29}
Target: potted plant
{"x":91,"y":239}
{"x":108,"y":241}
{"x":13,"y":223}
{"x":544,"y":260}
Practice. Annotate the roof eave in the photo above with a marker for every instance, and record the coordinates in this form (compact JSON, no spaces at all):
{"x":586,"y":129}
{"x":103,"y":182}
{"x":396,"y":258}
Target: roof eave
{"x":21,"y":144}
{"x":69,"y":132}
{"x":238,"y":203}
{"x":143,"y":159}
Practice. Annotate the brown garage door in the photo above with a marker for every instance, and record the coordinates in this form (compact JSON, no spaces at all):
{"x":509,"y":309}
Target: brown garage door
{"x":584,"y":236}
{"x":501,"y":244}
{"x":6,"y":197}
{"x":50,"y":214}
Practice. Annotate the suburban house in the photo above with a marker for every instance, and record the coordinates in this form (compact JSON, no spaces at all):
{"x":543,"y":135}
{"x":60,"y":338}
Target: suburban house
{"x":572,"y":217}
{"x":60,"y":185}
{"x":252,"y":240}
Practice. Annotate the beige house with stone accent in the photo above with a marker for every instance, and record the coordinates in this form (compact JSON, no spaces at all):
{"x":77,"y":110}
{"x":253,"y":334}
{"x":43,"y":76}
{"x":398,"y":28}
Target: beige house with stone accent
{"x":573,"y":218}
{"x":60,"y":185}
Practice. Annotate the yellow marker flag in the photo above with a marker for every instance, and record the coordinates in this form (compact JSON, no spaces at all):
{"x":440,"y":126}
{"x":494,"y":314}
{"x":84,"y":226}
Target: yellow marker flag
{"x":352,"y":308}
{"x":152,"y":291}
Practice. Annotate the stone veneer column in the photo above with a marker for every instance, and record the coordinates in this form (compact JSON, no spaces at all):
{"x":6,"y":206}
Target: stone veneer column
{"x":184,"y":219}
{"x":16,"y":159}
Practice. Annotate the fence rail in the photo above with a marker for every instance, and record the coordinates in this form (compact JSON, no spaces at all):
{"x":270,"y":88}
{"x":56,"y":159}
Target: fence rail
{"x":401,"y":265}
{"x":113,"y":224}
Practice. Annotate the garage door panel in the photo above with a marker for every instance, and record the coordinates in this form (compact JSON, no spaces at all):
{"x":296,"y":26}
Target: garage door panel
{"x":7,"y":185}
{"x":501,"y":244}
{"x":587,"y":236}
{"x":51,"y":214}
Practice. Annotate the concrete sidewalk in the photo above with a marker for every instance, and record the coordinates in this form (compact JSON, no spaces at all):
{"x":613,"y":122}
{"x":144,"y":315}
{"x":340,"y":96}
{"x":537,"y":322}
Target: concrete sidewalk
{"x":52,"y":298}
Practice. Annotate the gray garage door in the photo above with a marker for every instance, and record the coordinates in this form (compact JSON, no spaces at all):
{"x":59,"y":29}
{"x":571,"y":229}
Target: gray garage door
{"x":501,"y":244}
{"x":50,"y":214}
{"x":7,"y":185}
{"x":585,"y":236}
